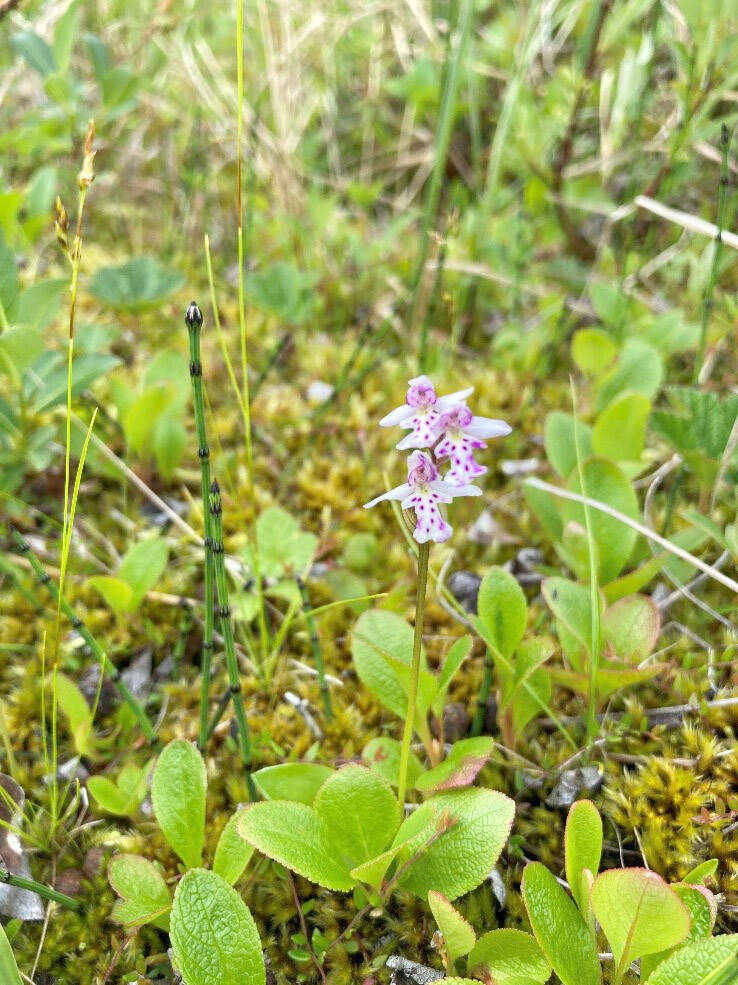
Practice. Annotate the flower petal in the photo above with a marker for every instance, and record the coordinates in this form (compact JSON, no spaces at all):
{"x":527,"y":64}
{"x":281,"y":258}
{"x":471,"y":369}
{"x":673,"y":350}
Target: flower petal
{"x":487,"y":427}
{"x":397,"y":416}
{"x":399,"y":492}
{"x":449,"y":489}
{"x":453,"y":398}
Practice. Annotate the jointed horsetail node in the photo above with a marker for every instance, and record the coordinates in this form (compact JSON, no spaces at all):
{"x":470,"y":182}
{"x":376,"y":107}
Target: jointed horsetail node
{"x":193,"y":320}
{"x":226,"y":629}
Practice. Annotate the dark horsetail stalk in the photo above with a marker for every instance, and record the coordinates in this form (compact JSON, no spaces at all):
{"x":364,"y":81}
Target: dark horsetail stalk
{"x":226,"y":630}
{"x":107,"y":665}
{"x":20,"y":882}
{"x":193,"y":320}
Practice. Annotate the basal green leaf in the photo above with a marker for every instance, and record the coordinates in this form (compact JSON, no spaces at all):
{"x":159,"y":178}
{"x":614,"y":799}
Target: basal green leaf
{"x":471,"y":828}
{"x":232,"y":853}
{"x":638,"y":912}
{"x":583,"y":849}
{"x":620,"y":430}
{"x":178,"y":793}
{"x":361,"y":812}
{"x":376,"y":634}
{"x":559,"y":928}
{"x":214,"y":937}
{"x":144,"y":895}
{"x":458,"y":935}
{"x":707,"y":962}
{"x":502,"y":610}
{"x":292,"y":781}
{"x":143,"y":565}
{"x":509,"y":957}
{"x":559,"y":434}
{"x":117,"y":593}
{"x":9,"y":973}
{"x":295,"y":836}
{"x":631,"y":627}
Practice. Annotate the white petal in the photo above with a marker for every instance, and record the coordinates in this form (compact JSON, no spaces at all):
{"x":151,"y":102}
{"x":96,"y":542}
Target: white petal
{"x":487,"y":427}
{"x":399,"y":492}
{"x":423,"y":380}
{"x":453,"y":398}
{"x":449,"y":489}
{"x":414,"y":440}
{"x":397,"y":416}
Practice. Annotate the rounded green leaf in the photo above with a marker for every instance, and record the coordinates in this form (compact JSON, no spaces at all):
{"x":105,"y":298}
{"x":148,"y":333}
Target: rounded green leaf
{"x":583,"y":848}
{"x":292,"y":781}
{"x":560,"y":434}
{"x":638,"y":912}
{"x":559,"y":928}
{"x":214,"y":937}
{"x":619,"y":433}
{"x":178,"y":791}
{"x":295,"y":836}
{"x":631,"y":627}
{"x":458,"y":935}
{"x":376,"y":636}
{"x":593,"y":350}
{"x":361,"y":812}
{"x":707,"y":962}
{"x":509,"y":957}
{"x":467,"y":831}
{"x":502,"y":610}
{"x":702,"y":907}
{"x":460,"y":767}
{"x":605,"y":482}
{"x":144,"y":895}
{"x":232,"y":853}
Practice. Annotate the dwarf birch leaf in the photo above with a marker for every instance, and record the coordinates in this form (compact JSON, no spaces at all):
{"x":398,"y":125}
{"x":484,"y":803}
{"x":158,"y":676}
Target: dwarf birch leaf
{"x":707,"y":962}
{"x":232,"y":853}
{"x":631,"y":626}
{"x":583,"y":848}
{"x":510,"y":957}
{"x":295,"y":836}
{"x":361,"y":813}
{"x":214,"y":937}
{"x":458,"y":934}
{"x":559,"y":928}
{"x":638,"y":912}
{"x":178,"y":794}
{"x":292,"y":781}
{"x":469,"y":829}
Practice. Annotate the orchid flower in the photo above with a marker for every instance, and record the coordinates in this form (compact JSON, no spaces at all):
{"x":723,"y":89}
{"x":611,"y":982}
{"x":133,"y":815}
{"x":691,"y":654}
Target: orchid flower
{"x":462,"y":432}
{"x":421,"y":412}
{"x":423,"y":492}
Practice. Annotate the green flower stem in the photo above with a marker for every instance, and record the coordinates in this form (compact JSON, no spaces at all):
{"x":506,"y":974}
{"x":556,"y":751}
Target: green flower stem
{"x":107,"y":665}
{"x":226,"y":629}
{"x":36,"y":887}
{"x":717,"y":253}
{"x":193,"y":320}
{"x":317,"y":651}
{"x":484,"y":689}
{"x":412,"y":698}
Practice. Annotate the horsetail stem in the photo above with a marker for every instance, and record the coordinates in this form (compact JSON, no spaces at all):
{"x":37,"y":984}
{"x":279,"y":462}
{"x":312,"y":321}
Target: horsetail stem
{"x":20,"y":882}
{"x":226,"y":630}
{"x":193,"y":320}
{"x":317,"y":651}
{"x":108,"y":667}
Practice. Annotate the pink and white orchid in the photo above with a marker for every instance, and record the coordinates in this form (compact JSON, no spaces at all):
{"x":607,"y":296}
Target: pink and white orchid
{"x":462,"y":432}
{"x":423,"y":492}
{"x":421,"y":412}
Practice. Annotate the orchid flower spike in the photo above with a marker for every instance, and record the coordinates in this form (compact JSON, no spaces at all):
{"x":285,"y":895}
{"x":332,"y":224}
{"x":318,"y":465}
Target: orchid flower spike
{"x":421,"y":412}
{"x":462,"y":432}
{"x":423,"y":492}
